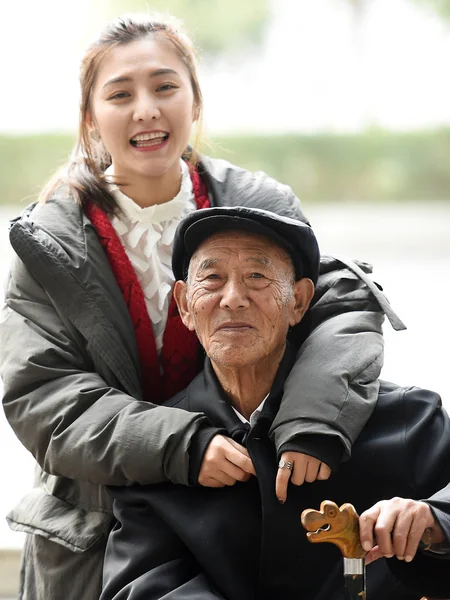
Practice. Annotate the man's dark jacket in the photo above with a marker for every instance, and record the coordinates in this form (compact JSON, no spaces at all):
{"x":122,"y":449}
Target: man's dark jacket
{"x":239,"y":543}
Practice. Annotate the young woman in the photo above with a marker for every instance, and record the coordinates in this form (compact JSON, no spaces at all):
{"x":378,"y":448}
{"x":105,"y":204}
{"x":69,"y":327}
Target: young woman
{"x":91,"y":340}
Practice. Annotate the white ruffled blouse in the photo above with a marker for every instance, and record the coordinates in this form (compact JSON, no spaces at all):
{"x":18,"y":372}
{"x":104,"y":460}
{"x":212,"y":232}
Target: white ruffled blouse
{"x":147,"y":235}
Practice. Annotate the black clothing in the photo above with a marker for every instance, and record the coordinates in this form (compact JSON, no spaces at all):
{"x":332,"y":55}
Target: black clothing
{"x":240,"y":543}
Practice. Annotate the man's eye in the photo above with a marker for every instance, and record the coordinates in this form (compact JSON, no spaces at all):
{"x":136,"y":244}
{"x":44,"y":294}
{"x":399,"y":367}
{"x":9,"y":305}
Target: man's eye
{"x":213,"y":276}
{"x":257,"y":276}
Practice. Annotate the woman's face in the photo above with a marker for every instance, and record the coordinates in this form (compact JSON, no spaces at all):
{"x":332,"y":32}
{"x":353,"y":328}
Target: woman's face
{"x":143,"y":107}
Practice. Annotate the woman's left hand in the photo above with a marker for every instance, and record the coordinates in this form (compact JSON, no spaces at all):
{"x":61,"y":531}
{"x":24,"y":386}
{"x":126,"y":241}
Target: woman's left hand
{"x":304,"y":468}
{"x":395,"y":527}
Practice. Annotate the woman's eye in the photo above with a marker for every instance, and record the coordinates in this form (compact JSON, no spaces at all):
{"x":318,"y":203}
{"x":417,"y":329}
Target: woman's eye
{"x":119,"y":96}
{"x":166,"y":87}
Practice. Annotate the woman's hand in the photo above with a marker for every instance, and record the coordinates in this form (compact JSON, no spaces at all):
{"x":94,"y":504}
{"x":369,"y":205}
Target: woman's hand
{"x":394,"y":528}
{"x":225,"y":462}
{"x":304,"y":468}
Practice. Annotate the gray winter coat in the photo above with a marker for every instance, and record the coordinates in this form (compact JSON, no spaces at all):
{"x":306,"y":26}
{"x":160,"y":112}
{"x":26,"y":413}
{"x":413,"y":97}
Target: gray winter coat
{"x":70,"y":371}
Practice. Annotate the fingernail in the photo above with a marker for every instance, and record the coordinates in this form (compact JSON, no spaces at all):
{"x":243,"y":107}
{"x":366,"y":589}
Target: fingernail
{"x":400,"y":557}
{"x":367,"y":546}
{"x":408,"y":558}
{"x":388,"y":555}
{"x":280,"y":500}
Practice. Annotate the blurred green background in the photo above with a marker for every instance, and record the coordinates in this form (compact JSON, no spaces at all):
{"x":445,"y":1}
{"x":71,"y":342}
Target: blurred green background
{"x":371,"y":166}
{"x":374,"y":164}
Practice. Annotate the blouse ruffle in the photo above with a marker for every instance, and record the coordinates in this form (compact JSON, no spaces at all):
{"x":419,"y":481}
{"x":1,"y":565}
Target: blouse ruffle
{"x":147,"y":235}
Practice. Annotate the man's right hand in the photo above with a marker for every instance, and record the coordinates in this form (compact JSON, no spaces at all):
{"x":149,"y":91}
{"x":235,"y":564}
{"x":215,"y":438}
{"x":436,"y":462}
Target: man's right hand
{"x":225,"y":462}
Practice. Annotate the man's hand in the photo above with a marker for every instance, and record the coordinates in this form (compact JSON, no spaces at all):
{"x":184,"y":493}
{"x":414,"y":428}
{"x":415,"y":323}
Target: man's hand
{"x":305,"y":468}
{"x":394,"y":528}
{"x":225,"y":462}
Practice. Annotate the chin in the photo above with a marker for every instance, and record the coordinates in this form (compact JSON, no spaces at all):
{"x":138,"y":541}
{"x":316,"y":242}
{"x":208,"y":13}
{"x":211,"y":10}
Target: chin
{"x":157,"y":169}
{"x":236,"y":357}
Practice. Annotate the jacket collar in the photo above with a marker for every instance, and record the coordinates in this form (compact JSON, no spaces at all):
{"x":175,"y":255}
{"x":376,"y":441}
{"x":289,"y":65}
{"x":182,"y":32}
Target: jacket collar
{"x":59,"y":246}
{"x":206,"y":395}
{"x":229,"y":185}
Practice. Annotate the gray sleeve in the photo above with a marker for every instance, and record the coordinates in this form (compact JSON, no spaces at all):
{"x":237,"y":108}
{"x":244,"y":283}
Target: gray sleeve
{"x":64,"y":412}
{"x":333,"y":387}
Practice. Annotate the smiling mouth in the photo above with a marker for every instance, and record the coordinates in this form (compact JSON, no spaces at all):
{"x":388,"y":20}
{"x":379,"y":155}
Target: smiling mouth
{"x":241,"y":327}
{"x":147,"y":140}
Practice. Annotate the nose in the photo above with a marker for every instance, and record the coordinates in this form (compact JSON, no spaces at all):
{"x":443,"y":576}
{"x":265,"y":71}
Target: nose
{"x":146,"y":108}
{"x":235,"y":295}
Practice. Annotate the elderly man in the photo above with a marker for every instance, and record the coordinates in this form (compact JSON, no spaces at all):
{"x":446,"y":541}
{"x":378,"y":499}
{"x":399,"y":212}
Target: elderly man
{"x":245,"y":278}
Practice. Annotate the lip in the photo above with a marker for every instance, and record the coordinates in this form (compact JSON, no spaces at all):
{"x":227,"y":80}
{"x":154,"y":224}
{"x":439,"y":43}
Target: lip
{"x":235,"y":326}
{"x":153,"y":147}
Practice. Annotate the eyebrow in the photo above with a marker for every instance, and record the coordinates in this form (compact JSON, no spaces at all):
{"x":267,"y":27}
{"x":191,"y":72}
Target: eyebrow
{"x":126,"y":78}
{"x":207,"y":263}
{"x":211,"y":262}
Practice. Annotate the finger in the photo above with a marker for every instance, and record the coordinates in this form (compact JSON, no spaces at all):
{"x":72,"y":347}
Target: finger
{"x":324,"y":472}
{"x":418,"y":526}
{"x":366,"y":524}
{"x":225,"y":478}
{"x":211,"y":482}
{"x":312,"y":469}
{"x":238,"y":446}
{"x":384,"y":528}
{"x":299,"y":471}
{"x":373,"y":555}
{"x":281,"y":484}
{"x":231,"y":470}
{"x":401,"y":532}
{"x":238,"y":455}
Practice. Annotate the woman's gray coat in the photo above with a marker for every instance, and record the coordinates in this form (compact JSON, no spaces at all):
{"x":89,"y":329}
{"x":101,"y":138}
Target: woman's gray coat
{"x":70,"y":371}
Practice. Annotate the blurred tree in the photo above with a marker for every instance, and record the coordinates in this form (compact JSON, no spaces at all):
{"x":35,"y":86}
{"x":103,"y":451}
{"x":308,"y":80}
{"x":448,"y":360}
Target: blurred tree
{"x":215,"y":25}
{"x":442,"y":7}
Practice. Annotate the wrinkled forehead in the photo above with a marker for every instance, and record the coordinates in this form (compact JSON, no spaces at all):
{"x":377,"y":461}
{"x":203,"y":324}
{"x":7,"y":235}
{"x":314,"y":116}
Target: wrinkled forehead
{"x":244,"y":245}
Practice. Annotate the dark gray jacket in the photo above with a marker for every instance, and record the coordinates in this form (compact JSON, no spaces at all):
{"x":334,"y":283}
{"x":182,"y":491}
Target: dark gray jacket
{"x":70,"y":371}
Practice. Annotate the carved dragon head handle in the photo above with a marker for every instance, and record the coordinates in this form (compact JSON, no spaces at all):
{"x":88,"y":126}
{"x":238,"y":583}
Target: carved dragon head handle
{"x":337,"y":525}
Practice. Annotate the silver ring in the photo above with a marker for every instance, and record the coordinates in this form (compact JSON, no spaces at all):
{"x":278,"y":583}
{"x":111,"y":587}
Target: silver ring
{"x":285,"y":464}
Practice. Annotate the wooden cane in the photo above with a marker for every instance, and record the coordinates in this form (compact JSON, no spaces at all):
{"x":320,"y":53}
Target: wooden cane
{"x":340,"y":526}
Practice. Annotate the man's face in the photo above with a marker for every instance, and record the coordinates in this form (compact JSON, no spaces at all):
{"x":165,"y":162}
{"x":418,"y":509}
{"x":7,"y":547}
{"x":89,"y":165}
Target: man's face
{"x":241,"y":298}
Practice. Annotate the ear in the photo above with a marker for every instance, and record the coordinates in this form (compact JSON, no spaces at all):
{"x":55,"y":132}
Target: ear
{"x":180,"y":295}
{"x":303,"y":294}
{"x":90,"y":121}
{"x":195,"y":113}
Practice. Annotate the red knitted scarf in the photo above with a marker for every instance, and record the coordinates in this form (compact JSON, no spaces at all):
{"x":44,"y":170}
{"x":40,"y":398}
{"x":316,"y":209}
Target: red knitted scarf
{"x":163,"y":376}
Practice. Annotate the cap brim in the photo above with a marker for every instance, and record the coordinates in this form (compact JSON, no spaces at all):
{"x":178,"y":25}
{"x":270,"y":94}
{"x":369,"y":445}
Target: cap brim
{"x":200,"y":230}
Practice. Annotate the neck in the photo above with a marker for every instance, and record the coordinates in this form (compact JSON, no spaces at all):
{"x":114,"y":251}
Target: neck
{"x":247,"y":385}
{"x":149,"y":191}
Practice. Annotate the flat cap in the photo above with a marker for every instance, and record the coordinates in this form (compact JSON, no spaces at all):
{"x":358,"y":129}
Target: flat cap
{"x":295,"y":237}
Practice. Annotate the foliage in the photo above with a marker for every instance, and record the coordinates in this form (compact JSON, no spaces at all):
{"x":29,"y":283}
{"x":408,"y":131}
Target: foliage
{"x":28,"y":162}
{"x":441,"y":7}
{"x":215,"y":25}
{"x":374,"y":166}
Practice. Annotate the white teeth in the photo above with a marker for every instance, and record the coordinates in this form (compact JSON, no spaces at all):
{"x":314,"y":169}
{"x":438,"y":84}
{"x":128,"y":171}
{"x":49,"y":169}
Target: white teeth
{"x":143,"y":137}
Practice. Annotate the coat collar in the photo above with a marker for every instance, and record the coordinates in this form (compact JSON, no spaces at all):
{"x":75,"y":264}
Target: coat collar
{"x":229,"y":185}
{"x":206,"y":395}
{"x":59,"y":246}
